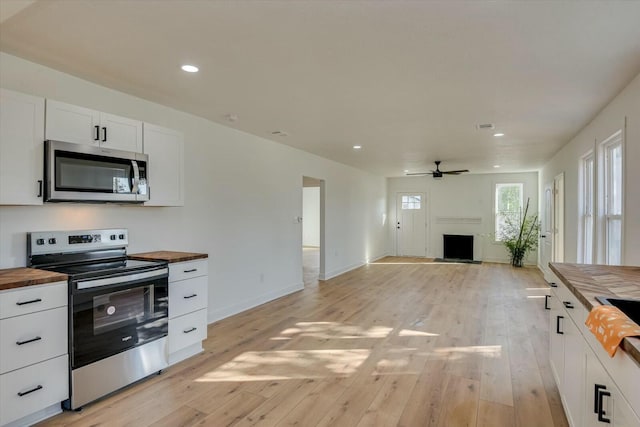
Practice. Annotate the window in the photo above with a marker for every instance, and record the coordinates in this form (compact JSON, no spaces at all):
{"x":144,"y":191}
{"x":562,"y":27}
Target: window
{"x":586,"y":208}
{"x":411,"y":202}
{"x":612,"y":198}
{"x":508,"y":206}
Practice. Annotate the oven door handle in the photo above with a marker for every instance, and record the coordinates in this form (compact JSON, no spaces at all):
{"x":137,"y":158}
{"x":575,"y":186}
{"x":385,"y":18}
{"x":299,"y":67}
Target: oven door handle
{"x":155,"y":274}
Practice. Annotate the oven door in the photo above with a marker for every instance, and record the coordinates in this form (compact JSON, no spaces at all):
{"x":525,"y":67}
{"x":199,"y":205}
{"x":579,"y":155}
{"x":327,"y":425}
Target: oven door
{"x":77,"y":172}
{"x":112,"y":318}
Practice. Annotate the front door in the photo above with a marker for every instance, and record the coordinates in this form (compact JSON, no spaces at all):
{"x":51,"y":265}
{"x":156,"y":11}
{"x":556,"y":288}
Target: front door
{"x":411,"y":225}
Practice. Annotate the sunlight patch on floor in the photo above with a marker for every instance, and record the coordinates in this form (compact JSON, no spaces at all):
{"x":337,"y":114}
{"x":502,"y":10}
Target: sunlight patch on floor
{"x":334,"y":330}
{"x":410,"y":333}
{"x":288,"y":364}
{"x":456,"y":353}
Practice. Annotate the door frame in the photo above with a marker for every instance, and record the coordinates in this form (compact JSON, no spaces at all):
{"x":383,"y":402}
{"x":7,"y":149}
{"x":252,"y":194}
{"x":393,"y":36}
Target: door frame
{"x":558,"y":218}
{"x":322,"y":250}
{"x":398,"y":205}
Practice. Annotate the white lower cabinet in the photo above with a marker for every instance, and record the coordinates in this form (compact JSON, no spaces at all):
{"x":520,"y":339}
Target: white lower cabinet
{"x":188,"y":297}
{"x":34,"y":364}
{"x":28,"y":390}
{"x":588,"y":389}
{"x":605,"y":404}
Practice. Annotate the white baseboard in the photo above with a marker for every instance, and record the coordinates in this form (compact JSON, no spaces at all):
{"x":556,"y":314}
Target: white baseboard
{"x":335,"y":273}
{"x":339,"y":271}
{"x":219,"y":314}
{"x":36,"y":417}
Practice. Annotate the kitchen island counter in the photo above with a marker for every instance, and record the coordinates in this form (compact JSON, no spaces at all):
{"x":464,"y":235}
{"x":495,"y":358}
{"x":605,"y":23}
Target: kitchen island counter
{"x":587,"y":281}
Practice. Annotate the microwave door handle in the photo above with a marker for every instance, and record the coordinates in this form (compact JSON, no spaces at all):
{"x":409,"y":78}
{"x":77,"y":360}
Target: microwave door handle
{"x":136,"y":177}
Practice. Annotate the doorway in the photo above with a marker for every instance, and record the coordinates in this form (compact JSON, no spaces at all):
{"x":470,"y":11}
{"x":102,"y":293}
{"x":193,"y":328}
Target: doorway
{"x":411,"y":226}
{"x":312,"y":230}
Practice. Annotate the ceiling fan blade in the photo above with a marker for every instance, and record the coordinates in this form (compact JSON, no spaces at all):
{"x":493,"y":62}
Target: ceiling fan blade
{"x":456,"y":172}
{"x":418,"y":173}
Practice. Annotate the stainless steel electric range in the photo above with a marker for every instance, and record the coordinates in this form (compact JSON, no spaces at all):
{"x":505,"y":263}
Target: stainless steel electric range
{"x":118,"y":309}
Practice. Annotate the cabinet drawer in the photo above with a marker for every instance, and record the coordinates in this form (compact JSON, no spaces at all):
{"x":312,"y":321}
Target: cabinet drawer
{"x":50,"y":384}
{"x":32,"y":298}
{"x":187,"y":296}
{"x":41,"y":335}
{"x":578,"y":313}
{"x":187,"y":330}
{"x":186,"y":270}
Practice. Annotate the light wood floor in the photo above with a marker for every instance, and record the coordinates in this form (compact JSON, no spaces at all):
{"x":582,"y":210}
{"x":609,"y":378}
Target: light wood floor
{"x":396,"y":343}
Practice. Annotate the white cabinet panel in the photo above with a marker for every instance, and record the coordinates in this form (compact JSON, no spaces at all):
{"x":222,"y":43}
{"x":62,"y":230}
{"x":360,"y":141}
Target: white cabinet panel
{"x":120,"y":133}
{"x":187,"y":296}
{"x":79,"y":125}
{"x":187,"y":270}
{"x":16,"y":302}
{"x":187,"y":330}
{"x":26,"y":340}
{"x":165,"y":148}
{"x":604,"y":403}
{"x":30,"y":389}
{"x":574,"y":373}
{"x":71,"y":123}
{"x":556,"y":340}
{"x":21,"y":148}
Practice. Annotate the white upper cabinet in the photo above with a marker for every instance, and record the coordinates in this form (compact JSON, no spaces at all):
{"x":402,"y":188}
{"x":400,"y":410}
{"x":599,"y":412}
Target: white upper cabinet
{"x":165,"y":148}
{"x":21,"y":148}
{"x":71,"y":123}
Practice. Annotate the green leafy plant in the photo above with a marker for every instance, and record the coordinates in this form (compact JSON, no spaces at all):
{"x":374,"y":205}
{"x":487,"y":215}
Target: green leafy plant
{"x":520,"y":235}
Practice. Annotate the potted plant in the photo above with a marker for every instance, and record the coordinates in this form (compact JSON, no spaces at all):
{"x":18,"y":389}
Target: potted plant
{"x":520,"y":235}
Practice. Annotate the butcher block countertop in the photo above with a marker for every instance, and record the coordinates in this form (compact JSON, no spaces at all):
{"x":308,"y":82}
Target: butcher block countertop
{"x":168,"y":256}
{"x":11,"y":278}
{"x":588,"y":281}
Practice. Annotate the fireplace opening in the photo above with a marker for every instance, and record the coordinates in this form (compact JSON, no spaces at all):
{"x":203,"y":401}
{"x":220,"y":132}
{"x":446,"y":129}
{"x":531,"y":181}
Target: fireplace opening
{"x":458,"y":247}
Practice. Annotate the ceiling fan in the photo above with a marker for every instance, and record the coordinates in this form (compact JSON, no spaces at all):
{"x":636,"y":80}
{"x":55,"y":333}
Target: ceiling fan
{"x":438,"y":173}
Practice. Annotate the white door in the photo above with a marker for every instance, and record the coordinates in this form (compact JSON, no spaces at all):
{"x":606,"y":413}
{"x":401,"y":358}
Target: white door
{"x":120,"y":133}
{"x":21,"y":148}
{"x":165,"y":148}
{"x":70,"y":123}
{"x":546,"y":234}
{"x":558,"y":218}
{"x":411,"y":225}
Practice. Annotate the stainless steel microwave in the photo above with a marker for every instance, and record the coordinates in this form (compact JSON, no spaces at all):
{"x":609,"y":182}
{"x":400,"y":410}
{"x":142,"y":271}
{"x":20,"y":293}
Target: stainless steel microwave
{"x":83,"y":173}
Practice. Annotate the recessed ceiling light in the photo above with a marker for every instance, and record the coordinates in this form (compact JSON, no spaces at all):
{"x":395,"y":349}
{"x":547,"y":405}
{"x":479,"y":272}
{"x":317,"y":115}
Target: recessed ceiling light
{"x":406,"y":171}
{"x":190,"y":68}
{"x":230,"y":117}
{"x":498,"y":134}
{"x":357,"y":147}
{"x":496,"y":166}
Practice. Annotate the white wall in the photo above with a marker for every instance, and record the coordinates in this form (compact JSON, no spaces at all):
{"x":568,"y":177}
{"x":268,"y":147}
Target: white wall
{"x":311,"y":216}
{"x":455,"y":202}
{"x":567,"y":160}
{"x":242,"y":193}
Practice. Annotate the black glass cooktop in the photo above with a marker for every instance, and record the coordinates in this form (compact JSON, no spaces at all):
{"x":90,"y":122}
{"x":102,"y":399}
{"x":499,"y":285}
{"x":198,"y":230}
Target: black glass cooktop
{"x":107,"y":268}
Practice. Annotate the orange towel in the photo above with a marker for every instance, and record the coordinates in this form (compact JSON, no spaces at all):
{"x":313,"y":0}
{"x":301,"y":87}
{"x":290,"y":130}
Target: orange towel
{"x":610,"y":326}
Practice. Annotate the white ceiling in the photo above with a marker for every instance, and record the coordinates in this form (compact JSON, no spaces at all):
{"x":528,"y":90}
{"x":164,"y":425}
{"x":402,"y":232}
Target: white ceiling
{"x":407,"y":80}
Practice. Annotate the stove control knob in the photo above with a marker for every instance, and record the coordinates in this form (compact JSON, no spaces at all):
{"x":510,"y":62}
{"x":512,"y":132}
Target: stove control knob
{"x":112,"y":237}
{"x":121,"y":237}
{"x":40,"y":242}
{"x":52,"y":241}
